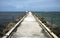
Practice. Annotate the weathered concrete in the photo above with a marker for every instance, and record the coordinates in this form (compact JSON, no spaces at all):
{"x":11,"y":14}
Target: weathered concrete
{"x":29,"y":28}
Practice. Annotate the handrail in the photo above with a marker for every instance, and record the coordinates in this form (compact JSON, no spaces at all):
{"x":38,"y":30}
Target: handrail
{"x":51,"y":34}
{"x":10,"y":31}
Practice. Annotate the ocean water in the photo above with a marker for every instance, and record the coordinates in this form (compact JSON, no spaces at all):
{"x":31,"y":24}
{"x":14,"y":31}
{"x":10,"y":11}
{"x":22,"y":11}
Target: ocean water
{"x":52,"y":17}
{"x":6,"y":17}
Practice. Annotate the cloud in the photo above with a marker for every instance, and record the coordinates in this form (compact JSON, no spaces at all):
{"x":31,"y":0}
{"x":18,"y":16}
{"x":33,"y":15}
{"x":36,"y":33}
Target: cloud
{"x":30,"y":5}
{"x":19,"y":6}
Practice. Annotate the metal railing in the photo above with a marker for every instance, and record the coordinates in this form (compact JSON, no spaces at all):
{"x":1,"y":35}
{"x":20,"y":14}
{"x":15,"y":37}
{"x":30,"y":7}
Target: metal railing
{"x":10,"y":32}
{"x":50,"y":33}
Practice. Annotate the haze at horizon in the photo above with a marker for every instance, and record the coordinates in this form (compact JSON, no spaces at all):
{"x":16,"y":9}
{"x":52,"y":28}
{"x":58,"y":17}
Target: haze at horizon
{"x":30,"y":5}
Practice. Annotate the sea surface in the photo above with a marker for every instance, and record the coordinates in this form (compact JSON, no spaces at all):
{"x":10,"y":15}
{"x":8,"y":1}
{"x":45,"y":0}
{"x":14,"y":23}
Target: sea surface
{"x":52,"y":17}
{"x":6,"y":17}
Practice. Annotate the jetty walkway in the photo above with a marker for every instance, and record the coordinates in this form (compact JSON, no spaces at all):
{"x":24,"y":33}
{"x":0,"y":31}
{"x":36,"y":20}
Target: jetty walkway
{"x":29,"y":28}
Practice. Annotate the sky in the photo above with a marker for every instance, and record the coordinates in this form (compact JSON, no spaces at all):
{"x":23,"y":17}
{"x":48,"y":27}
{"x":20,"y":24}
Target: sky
{"x":29,"y":5}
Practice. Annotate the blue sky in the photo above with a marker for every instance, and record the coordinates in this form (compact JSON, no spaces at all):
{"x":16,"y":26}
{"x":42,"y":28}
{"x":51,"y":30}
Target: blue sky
{"x":30,"y":5}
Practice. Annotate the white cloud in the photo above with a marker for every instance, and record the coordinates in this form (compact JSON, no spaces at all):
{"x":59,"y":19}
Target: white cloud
{"x":29,"y":4}
{"x":19,"y":6}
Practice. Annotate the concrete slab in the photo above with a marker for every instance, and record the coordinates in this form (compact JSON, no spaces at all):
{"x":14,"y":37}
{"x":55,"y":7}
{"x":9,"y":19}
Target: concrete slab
{"x":29,"y":28}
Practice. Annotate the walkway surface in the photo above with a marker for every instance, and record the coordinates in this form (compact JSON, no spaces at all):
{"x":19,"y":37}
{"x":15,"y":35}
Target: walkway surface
{"x":29,"y":28}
